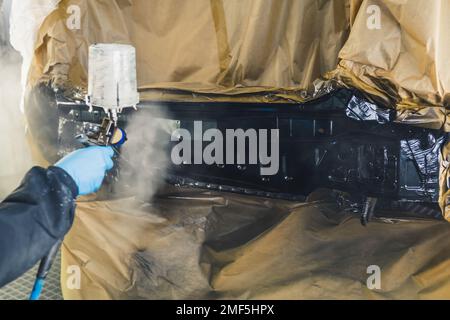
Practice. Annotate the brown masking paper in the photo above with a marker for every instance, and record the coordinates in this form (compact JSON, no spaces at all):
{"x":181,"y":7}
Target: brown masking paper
{"x":203,"y":245}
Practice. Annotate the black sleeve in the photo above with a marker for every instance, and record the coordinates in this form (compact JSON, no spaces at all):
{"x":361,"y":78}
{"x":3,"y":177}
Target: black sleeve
{"x":33,"y":218}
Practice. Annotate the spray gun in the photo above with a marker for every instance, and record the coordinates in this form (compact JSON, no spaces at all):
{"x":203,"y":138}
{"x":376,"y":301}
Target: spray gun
{"x":113,"y":87}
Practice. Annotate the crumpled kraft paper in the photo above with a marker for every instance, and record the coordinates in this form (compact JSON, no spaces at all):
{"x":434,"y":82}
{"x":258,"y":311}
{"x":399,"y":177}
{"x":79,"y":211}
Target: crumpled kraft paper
{"x":195,"y":244}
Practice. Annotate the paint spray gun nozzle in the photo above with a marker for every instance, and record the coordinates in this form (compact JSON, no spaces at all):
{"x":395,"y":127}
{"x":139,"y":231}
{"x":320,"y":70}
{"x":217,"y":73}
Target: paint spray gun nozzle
{"x":105,"y":134}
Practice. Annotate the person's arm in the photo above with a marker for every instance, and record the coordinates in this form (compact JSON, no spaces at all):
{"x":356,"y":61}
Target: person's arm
{"x":41,"y":211}
{"x":33,"y":218}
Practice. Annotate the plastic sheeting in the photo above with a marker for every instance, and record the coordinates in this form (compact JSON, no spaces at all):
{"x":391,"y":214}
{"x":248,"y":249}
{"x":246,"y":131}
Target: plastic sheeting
{"x":12,"y":124}
{"x":4,"y":26}
{"x":25,"y":20}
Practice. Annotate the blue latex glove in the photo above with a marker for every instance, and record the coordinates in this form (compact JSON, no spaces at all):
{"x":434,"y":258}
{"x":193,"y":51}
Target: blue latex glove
{"x":88,"y":167}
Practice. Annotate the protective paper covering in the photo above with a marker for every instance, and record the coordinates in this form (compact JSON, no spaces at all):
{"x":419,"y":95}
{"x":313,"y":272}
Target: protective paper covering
{"x":201,"y":245}
{"x":195,"y":244}
{"x":271,"y":49}
{"x":404,"y":62}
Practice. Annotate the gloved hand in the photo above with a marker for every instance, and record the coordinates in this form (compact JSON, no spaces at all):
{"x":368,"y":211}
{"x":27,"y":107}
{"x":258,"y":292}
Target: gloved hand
{"x":87,"y":167}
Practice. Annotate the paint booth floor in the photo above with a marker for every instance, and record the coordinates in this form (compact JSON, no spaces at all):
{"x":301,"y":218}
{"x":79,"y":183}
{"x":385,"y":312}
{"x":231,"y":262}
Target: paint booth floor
{"x":21,"y":288}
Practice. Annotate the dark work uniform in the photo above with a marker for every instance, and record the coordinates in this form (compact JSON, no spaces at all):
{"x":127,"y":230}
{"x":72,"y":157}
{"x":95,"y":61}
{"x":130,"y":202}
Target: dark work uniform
{"x":33,"y":218}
